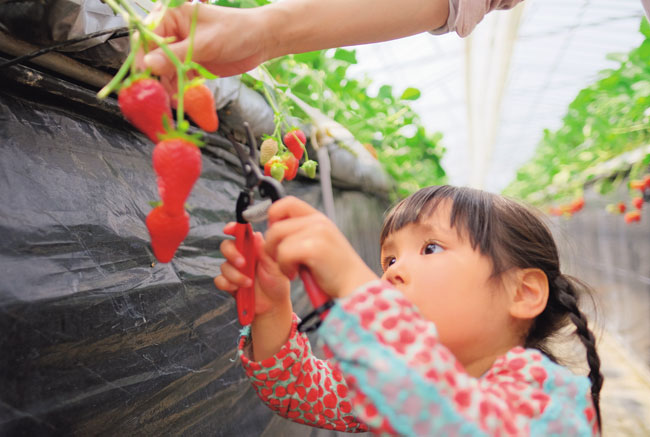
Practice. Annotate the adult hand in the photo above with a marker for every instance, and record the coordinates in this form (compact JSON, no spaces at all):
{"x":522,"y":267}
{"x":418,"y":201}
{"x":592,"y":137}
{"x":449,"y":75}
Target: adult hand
{"x":227,"y":41}
{"x":300,"y":235}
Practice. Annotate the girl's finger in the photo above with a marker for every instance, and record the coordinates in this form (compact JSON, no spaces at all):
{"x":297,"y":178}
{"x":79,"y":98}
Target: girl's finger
{"x":223,"y":284}
{"x":231,"y":254}
{"x":310,"y":225}
{"x":234,"y":276}
{"x":289,"y":207}
{"x":229,"y":229}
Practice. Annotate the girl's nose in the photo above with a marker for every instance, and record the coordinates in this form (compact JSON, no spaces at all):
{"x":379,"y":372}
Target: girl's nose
{"x":396,"y":274}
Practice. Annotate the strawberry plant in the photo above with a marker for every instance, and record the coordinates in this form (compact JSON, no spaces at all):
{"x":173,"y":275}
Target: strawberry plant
{"x":606,"y":120}
{"x":176,"y":157}
{"x":384,"y":122}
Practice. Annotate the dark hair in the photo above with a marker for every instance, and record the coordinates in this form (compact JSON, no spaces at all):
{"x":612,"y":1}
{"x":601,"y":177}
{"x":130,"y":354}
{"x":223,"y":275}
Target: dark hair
{"x":511,"y":235}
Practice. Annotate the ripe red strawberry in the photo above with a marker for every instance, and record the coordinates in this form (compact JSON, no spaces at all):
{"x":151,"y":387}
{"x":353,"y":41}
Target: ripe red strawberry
{"x":177,"y":163}
{"x":646,"y":181}
{"x":166,"y":232}
{"x":275,"y":168}
{"x":637,"y":202}
{"x":632,"y":216}
{"x":292,"y":166}
{"x":144,"y":103}
{"x":637,"y":185}
{"x":199,"y":105}
{"x":577,"y":205}
{"x":621,"y":207}
{"x":295,"y":141}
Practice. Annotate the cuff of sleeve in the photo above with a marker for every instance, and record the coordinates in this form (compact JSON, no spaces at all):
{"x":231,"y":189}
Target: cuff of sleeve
{"x":295,"y":347}
{"x":450,"y":25}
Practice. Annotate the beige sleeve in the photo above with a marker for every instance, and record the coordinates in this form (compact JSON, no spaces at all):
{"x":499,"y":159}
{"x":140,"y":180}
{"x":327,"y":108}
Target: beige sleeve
{"x":464,"y":15}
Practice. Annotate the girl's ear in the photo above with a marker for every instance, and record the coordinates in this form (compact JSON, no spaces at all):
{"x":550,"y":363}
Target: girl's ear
{"x":530,"y":294}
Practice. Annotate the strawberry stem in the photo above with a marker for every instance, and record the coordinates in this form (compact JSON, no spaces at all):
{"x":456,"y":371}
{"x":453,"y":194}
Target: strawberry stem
{"x":117,"y":79}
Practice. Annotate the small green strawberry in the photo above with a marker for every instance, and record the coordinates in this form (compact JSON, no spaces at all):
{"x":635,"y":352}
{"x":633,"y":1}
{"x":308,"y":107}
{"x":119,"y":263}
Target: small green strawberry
{"x":275,"y":168}
{"x":309,"y":168}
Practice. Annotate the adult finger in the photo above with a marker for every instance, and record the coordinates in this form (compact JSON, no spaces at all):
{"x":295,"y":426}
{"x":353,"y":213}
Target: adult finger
{"x":158,"y":61}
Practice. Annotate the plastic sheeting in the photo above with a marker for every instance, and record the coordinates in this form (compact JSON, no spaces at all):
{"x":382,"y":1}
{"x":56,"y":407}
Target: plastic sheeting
{"x":613,"y":257}
{"x":98,"y":338}
{"x":60,"y":20}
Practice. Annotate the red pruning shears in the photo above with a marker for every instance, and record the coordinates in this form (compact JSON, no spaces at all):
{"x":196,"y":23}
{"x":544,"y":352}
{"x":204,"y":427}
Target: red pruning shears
{"x":272,"y":190}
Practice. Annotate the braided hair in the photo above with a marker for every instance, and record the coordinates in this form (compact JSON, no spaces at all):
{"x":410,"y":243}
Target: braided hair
{"x":563,"y":304}
{"x":511,"y":235}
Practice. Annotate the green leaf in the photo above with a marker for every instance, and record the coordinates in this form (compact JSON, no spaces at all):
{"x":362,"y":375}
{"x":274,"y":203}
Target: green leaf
{"x":410,"y":94}
{"x":308,"y":57}
{"x":248,"y":4}
{"x":385,"y":92}
{"x":175,"y":3}
{"x":645,"y":28}
{"x":349,"y":56}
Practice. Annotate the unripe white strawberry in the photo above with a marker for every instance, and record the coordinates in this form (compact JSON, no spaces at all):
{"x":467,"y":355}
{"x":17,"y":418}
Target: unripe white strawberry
{"x":268,"y":149}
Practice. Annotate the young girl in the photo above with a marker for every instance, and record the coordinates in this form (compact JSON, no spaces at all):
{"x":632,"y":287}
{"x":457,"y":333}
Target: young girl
{"x":450,"y":341}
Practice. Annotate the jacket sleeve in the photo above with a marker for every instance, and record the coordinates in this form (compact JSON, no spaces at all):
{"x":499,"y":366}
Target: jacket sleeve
{"x":403,"y":381}
{"x":464,"y":15}
{"x":300,"y":387}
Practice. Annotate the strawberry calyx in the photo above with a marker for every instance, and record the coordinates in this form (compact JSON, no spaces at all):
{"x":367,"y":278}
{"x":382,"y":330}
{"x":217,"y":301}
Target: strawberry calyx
{"x":133,"y":78}
{"x":182,"y":134}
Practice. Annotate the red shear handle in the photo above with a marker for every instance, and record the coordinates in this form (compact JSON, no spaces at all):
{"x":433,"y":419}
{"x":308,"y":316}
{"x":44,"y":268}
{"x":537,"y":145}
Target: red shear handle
{"x":245,"y":243}
{"x":316,"y":295}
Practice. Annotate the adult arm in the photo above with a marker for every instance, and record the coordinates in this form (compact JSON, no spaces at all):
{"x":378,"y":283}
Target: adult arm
{"x":231,"y":41}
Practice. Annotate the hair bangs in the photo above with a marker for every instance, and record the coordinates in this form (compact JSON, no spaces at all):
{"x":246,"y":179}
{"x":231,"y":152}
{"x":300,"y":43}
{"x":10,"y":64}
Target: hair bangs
{"x":469,"y":213}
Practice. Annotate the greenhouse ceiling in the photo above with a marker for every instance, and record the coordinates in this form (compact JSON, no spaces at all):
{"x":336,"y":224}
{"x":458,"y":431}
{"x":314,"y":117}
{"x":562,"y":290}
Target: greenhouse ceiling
{"x":492,"y":94}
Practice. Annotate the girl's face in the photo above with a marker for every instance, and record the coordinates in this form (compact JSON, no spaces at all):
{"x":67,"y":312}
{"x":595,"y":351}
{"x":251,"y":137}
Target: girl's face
{"x":449,"y":282}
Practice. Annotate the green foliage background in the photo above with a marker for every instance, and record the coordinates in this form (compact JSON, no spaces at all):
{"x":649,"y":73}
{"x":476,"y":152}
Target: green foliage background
{"x":606,"y":119}
{"x":409,"y":153}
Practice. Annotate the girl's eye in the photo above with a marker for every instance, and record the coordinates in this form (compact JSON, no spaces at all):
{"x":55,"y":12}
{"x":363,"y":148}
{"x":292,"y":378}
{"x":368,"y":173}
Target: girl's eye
{"x":387,"y":262}
{"x":431,"y":248}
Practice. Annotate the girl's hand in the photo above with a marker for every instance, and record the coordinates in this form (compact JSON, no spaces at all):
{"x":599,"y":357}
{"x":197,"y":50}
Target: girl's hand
{"x":300,"y":235}
{"x":220,"y":45}
{"x":272,"y":288}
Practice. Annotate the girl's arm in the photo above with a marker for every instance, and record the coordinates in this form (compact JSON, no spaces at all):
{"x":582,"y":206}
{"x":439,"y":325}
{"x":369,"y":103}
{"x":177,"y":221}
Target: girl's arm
{"x":273,"y":311}
{"x":297,"y":385}
{"x":405,"y":382}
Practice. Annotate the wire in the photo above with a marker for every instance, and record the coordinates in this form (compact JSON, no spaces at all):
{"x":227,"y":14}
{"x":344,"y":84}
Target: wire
{"x":119,"y":32}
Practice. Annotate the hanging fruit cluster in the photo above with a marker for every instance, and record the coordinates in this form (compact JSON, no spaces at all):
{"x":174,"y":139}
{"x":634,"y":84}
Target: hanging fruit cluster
{"x":281,"y":155}
{"x":281,"y":160}
{"x":145,"y":103}
{"x":568,"y":209}
{"x":640,"y":194}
